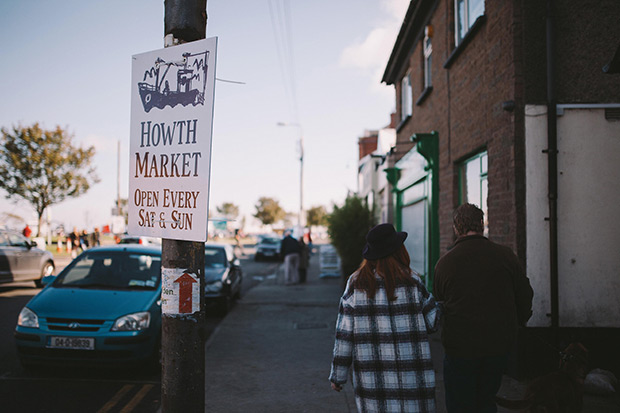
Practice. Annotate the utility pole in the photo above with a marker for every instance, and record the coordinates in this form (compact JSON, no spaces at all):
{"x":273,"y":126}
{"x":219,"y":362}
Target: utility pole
{"x":301,"y":218}
{"x":183,"y":336}
{"x":118,"y":178}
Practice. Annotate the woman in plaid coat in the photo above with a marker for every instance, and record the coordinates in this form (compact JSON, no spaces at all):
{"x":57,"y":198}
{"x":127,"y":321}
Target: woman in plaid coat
{"x":384,"y":319}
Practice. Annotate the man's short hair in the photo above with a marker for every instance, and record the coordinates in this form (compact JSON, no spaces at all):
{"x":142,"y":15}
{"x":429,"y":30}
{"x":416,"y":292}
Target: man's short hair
{"x":468,"y":217}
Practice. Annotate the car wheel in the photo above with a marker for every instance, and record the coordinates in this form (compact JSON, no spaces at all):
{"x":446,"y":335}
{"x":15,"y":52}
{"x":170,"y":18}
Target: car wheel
{"x":48,"y":269}
{"x":256,"y":257}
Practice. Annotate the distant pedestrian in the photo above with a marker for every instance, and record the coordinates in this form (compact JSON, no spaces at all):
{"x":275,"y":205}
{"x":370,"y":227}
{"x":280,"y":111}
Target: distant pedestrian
{"x":84,"y":240}
{"x":95,"y":238}
{"x":238,"y":245}
{"x":289,"y":248}
{"x":304,"y":260}
{"x":309,"y":242}
{"x":384,"y":319}
{"x":486,"y":296}
{"x":74,"y":242}
{"x":27,"y":231}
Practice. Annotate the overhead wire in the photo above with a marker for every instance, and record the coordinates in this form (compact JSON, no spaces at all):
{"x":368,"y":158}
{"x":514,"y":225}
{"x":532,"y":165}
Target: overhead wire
{"x":280,"y":14}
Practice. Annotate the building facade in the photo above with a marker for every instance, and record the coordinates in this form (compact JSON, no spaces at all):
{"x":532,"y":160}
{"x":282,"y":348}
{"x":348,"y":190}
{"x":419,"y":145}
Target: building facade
{"x":512,"y":106}
{"x":372,"y":183}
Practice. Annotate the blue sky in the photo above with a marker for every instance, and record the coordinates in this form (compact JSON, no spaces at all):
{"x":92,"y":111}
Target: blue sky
{"x":68,"y":63}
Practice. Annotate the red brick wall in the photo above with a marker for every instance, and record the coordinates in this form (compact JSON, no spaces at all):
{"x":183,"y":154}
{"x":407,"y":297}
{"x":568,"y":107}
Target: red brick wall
{"x":367,"y":145}
{"x":465,"y":108}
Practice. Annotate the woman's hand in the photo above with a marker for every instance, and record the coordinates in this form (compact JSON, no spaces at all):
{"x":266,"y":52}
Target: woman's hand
{"x":336,"y":387}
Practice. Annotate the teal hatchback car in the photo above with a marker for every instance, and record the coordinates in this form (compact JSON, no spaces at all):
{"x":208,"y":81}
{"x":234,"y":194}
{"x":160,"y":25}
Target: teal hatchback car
{"x":103,"y":308}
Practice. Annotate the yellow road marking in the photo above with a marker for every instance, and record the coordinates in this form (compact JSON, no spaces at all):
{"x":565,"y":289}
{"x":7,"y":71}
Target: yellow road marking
{"x":119,"y":395}
{"x":137,"y":398}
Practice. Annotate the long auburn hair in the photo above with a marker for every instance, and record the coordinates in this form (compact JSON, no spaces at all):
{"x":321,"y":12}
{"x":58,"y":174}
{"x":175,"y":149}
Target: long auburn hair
{"x":394,"y":269}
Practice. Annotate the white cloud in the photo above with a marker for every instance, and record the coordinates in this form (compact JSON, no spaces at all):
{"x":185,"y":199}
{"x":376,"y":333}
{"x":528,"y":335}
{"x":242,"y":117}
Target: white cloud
{"x":372,"y":53}
{"x":396,"y":8}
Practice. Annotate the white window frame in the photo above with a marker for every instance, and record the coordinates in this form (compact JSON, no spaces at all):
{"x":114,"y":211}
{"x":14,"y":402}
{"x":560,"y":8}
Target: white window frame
{"x":466,"y":12}
{"x":406,"y":97}
{"x":428,"y":60}
{"x":480,"y":164}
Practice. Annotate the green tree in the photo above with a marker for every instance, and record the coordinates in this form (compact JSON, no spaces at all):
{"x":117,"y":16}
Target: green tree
{"x":347,"y":229}
{"x":316,"y":216}
{"x":229,"y":210}
{"x":43,"y":166}
{"x":268,"y":211}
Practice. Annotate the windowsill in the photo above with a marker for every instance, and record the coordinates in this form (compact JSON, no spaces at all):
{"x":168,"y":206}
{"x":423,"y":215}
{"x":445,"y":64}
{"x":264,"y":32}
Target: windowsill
{"x":466,"y":40}
{"x":402,"y":123}
{"x":427,"y":91}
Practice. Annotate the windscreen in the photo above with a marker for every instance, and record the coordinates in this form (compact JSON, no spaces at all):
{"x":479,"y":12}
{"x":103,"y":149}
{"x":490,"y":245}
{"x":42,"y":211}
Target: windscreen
{"x":215,"y":258}
{"x":112,"y":270}
{"x":271,"y":241}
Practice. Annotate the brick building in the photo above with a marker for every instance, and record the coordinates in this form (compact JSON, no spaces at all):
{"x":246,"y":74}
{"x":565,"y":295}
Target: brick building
{"x":475,"y":81}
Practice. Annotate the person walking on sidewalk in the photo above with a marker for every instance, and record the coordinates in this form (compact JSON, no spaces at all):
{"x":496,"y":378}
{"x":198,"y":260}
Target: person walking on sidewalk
{"x":384,"y":319}
{"x":486,"y":296}
{"x":290,"y":251}
{"x":304,"y":260}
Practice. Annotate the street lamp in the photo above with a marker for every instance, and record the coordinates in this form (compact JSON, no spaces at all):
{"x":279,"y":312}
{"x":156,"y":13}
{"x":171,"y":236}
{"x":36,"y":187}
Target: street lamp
{"x":301,"y":171}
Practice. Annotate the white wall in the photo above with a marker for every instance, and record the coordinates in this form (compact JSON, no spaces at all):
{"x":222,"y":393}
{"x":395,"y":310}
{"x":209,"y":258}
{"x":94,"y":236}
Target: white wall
{"x":588,"y":217}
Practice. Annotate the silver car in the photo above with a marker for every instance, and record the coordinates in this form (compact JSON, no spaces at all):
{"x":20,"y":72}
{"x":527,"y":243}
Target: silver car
{"x":21,"y":260}
{"x":268,"y":247}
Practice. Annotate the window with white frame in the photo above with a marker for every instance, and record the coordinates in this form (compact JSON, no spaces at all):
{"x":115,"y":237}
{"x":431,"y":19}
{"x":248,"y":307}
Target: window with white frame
{"x":428,"y":57}
{"x":465,"y":14}
{"x":474,"y":184}
{"x":406,"y":97}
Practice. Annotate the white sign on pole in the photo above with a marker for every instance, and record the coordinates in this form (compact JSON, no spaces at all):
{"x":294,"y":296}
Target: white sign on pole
{"x":180,"y":291}
{"x":172,"y":94}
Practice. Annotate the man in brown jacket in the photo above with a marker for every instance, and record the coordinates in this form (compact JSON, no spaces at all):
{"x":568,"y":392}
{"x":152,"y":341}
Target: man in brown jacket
{"x":486,"y":296}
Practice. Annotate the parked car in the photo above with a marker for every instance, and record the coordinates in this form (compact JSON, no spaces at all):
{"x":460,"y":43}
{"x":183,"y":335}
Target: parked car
{"x":103,"y":308}
{"x":127,"y":239}
{"x":223,"y":276}
{"x":268,"y":247}
{"x":21,"y":260}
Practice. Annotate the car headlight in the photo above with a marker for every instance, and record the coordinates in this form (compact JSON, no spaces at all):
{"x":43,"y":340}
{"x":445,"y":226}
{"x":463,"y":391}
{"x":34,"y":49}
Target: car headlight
{"x":214,"y":287}
{"x":133,"y":322}
{"x":28,"y":318}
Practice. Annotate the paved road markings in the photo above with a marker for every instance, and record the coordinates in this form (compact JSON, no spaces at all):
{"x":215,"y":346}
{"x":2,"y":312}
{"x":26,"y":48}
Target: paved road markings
{"x":119,"y":395}
{"x":137,"y":398}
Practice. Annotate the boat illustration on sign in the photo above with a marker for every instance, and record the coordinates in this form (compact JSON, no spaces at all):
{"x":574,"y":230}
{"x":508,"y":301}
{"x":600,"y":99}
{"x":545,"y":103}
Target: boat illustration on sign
{"x":188,"y":88}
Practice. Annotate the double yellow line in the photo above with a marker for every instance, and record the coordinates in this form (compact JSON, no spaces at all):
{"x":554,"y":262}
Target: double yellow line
{"x":135,"y":400}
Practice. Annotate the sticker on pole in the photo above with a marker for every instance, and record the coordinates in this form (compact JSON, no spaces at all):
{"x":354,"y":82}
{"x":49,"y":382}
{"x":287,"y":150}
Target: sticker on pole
{"x":180,"y":291}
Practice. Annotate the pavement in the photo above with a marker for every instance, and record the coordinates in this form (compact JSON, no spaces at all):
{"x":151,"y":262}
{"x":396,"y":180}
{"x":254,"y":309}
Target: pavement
{"x":272,"y":353}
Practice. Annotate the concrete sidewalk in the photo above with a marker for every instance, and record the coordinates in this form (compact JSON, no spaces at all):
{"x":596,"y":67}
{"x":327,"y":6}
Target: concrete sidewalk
{"x":272,"y":353}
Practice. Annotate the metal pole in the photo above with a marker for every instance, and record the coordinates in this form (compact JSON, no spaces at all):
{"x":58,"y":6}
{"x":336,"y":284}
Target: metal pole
{"x":118,"y":178}
{"x":301,"y":181}
{"x":552,"y":152}
{"x":300,"y":220}
{"x":183,"y":337}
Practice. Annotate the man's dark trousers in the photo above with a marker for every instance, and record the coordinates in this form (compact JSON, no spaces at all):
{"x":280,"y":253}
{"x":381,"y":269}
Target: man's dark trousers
{"x":472,"y":383}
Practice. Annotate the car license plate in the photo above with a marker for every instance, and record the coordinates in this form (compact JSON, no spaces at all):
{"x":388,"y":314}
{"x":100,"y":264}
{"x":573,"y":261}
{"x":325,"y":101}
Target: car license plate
{"x":269,"y":253}
{"x":80,"y":343}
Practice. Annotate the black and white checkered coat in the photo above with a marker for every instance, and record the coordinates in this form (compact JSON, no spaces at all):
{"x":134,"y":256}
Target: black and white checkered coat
{"x":387,"y":343}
